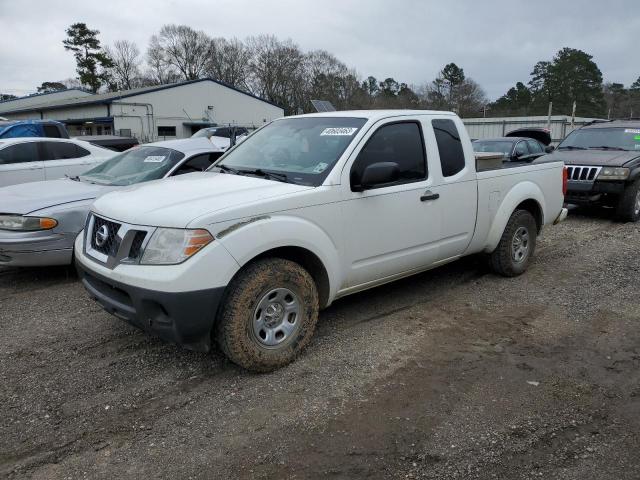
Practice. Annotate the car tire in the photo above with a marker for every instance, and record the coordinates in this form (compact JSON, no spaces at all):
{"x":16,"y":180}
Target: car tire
{"x":268,"y":316}
{"x":628,"y":208}
{"x":517,"y":245}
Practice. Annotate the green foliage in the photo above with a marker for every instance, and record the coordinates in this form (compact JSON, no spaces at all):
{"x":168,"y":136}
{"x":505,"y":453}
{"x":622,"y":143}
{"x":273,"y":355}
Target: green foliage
{"x":572,"y":76}
{"x":92,"y":63}
{"x":48,"y":87}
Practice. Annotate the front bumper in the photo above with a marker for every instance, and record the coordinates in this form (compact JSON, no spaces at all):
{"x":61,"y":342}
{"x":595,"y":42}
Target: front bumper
{"x":184,"y":318}
{"x":582,"y":193}
{"x":36,"y":249}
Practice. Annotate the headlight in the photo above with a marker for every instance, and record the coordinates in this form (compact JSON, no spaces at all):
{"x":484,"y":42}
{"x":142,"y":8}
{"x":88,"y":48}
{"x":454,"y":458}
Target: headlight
{"x":611,"y":173}
{"x":19,"y":223}
{"x":169,"y":246}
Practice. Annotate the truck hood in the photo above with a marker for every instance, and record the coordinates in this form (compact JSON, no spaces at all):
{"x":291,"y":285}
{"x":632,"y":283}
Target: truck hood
{"x":602,"y":158}
{"x":175,"y":202}
{"x":30,"y":197}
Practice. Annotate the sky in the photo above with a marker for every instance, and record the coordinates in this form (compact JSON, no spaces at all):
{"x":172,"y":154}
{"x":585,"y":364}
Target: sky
{"x":496,"y":42}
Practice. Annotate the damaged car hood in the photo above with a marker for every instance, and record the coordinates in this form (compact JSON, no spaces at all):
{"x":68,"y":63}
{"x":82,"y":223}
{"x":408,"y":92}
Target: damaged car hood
{"x":602,"y":158}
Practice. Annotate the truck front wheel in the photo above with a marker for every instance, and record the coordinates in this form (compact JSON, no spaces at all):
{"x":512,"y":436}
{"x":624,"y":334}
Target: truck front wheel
{"x":513,"y":254}
{"x":628,"y":209}
{"x":269,"y":315}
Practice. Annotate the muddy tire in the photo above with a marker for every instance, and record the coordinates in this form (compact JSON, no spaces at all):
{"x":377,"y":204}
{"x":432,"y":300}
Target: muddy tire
{"x":628,"y":208}
{"x":268,"y":316}
{"x":513,"y":254}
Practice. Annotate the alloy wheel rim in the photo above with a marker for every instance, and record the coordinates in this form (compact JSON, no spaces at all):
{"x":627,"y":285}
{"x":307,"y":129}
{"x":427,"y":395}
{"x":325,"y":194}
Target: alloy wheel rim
{"x":276,"y":318}
{"x":520,"y":245}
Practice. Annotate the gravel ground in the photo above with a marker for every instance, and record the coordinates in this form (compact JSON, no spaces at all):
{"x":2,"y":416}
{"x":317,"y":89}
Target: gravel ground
{"x":455,"y":373}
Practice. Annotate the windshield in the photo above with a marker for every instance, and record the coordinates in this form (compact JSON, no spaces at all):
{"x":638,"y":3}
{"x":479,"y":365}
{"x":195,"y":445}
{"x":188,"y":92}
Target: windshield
{"x":613,"y":138}
{"x":493,"y":146}
{"x":303,"y":149}
{"x":136,"y":165}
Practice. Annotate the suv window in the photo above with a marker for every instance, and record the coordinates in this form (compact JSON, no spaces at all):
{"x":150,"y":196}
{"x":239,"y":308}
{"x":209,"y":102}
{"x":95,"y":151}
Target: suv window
{"x":199,"y":163}
{"x":521,"y":149}
{"x":19,"y":153}
{"x":51,"y":131}
{"x":401,"y":143}
{"x":449,"y":146}
{"x":61,"y":150}
{"x":535,"y":147}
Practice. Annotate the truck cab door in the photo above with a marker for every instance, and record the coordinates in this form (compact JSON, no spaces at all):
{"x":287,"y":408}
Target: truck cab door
{"x":20,"y":163}
{"x":455,"y":176}
{"x":391,"y":228}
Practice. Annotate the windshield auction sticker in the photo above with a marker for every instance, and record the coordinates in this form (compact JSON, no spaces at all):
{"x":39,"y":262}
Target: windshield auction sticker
{"x":632,"y":130}
{"x":154,"y":159}
{"x":339,"y":131}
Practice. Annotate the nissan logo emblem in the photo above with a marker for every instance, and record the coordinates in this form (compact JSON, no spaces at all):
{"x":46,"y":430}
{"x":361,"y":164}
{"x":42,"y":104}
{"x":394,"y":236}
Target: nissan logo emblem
{"x":102,"y":235}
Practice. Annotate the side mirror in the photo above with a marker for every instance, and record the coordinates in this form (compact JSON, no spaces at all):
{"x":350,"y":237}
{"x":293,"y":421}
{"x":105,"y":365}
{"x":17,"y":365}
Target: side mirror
{"x":549,"y":148}
{"x":377,"y":174}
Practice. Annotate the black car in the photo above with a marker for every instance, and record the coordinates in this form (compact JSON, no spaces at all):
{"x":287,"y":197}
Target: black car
{"x":522,"y":145}
{"x":603,"y":166}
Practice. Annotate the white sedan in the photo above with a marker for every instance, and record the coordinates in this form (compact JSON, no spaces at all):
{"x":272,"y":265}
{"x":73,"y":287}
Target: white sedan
{"x":32,"y":159}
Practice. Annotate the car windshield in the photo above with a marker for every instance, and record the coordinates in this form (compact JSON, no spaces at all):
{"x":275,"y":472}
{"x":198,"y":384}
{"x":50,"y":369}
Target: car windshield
{"x":493,"y":146}
{"x":603,"y":138}
{"x":139,"y":164}
{"x":298,"y":150}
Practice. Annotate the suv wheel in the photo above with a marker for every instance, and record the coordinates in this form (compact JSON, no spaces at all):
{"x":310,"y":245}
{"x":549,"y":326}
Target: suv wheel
{"x":628,"y":209}
{"x":269,"y":315}
{"x":513,"y":254}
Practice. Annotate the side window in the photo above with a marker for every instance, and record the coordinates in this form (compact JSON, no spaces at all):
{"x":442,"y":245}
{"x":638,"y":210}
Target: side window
{"x":199,"y":163}
{"x":398,"y":142}
{"x":535,"y":146}
{"x":51,"y":131}
{"x":81,"y":152}
{"x":521,"y":149}
{"x":449,"y":146}
{"x":60,"y":150}
{"x":19,"y":153}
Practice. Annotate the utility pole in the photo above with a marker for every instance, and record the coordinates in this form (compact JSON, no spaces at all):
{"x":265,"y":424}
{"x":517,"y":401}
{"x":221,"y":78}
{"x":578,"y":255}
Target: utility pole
{"x":573,"y":115}
{"x":549,"y":115}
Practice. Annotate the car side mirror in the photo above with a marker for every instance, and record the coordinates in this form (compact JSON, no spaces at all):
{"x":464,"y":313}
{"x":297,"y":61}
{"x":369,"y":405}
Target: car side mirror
{"x":549,"y":148}
{"x":377,"y":174}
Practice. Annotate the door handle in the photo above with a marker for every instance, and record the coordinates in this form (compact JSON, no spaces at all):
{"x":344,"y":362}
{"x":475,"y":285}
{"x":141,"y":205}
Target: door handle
{"x":428,"y":195}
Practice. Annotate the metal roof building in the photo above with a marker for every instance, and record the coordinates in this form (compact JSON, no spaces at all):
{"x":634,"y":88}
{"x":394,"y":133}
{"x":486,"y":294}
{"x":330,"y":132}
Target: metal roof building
{"x":153,"y":113}
{"x":36,"y":98}
{"x":559,"y":125}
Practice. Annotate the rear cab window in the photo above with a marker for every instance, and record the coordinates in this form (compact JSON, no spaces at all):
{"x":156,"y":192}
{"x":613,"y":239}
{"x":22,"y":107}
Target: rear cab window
{"x":452,"y":159}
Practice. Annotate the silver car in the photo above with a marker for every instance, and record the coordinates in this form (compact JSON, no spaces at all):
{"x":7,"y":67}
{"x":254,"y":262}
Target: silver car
{"x":39,"y":221}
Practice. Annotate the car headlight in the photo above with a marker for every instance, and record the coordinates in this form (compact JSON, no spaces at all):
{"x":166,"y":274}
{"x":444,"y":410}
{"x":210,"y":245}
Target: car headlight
{"x":611,"y":173}
{"x":19,"y":223}
{"x":169,"y":246}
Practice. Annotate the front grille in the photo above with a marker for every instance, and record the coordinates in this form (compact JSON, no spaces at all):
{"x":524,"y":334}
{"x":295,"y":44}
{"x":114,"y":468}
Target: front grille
{"x":104,"y":238}
{"x":136,"y":245}
{"x":578,"y":173}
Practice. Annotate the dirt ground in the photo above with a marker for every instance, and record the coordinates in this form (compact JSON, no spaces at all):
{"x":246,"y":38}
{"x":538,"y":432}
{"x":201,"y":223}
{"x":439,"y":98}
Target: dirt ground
{"x":455,"y":373}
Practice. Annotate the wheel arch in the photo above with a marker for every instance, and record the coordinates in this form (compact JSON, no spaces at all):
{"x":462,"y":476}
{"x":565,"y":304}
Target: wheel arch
{"x":524,"y":196}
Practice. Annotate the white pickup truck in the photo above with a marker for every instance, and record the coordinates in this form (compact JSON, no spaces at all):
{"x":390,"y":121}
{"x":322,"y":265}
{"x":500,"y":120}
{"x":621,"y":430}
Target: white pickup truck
{"x":306,"y":210}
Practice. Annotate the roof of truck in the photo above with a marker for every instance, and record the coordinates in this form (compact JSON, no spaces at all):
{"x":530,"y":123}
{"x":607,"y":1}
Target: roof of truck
{"x":374,"y":114}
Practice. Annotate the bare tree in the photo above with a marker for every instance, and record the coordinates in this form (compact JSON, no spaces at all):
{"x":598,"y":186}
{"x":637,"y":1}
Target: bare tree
{"x":125,"y":72}
{"x":277,"y":71}
{"x":159,"y":70}
{"x":183,"y":48}
{"x":230,"y":62}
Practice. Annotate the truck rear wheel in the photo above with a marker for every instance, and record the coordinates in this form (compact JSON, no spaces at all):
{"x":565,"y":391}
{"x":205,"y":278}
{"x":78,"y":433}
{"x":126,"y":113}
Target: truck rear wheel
{"x":513,"y":254}
{"x":269,"y":315}
{"x":628,"y":209}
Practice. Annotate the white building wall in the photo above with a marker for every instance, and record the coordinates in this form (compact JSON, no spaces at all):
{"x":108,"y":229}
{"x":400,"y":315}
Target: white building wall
{"x":26,"y":102}
{"x":172,"y":107}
